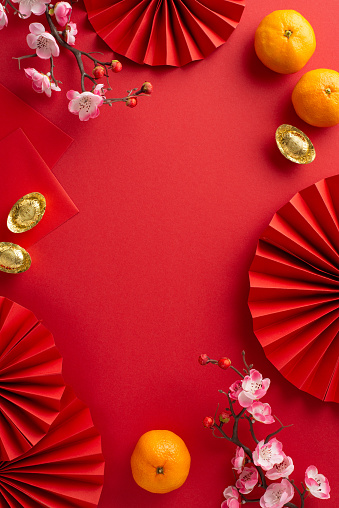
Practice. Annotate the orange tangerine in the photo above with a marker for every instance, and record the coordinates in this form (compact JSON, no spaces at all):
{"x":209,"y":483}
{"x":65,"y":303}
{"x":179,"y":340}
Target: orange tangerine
{"x":316,"y":97}
{"x":284,"y":41}
{"x":160,"y":461}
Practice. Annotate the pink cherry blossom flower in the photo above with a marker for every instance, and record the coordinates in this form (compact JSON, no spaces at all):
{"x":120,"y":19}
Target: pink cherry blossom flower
{"x":317,"y":484}
{"x":261,"y":412}
{"x":69,"y":33}
{"x":235,"y":389}
{"x":3,"y":17}
{"x":85,"y":104}
{"x":268,"y":454}
{"x":42,"y":41}
{"x":247,"y":480}
{"x":277,"y":495}
{"x":231,"y":495}
{"x":41,"y":82}
{"x":27,"y":7}
{"x":62,"y":11}
{"x":253,"y":387}
{"x":99,"y":90}
{"x":239,"y":460}
{"x":282,"y":470}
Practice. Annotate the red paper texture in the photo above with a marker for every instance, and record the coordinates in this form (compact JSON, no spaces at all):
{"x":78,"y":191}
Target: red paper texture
{"x":64,"y":470}
{"x":164,"y":32}
{"x":294,"y":295}
{"x":31,"y":383}
{"x":50,"y":141}
{"x":24,"y":171}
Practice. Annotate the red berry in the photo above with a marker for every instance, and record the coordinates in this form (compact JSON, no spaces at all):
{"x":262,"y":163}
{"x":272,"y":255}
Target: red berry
{"x":208,"y":422}
{"x":99,"y":72}
{"x":147,"y":88}
{"x":203,"y":359}
{"x":131,"y":102}
{"x":116,"y":66}
{"x":225,"y":416}
{"x":224,"y":363}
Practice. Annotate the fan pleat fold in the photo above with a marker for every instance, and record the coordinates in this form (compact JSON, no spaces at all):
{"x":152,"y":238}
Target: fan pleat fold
{"x":294,"y":290}
{"x":164,"y":32}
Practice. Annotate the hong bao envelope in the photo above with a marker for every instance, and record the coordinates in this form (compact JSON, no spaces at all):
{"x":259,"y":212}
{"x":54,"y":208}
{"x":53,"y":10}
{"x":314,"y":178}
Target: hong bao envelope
{"x":23,"y":170}
{"x":40,"y":131}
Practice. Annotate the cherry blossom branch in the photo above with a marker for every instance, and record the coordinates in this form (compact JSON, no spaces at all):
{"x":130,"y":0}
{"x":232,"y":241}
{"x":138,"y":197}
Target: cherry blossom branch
{"x":19,"y":58}
{"x":277,"y":431}
{"x":252,"y":429}
{"x":268,"y":459}
{"x":16,"y":11}
{"x":78,"y":54}
{"x":248,"y":367}
{"x":56,"y":81}
{"x":235,"y":440}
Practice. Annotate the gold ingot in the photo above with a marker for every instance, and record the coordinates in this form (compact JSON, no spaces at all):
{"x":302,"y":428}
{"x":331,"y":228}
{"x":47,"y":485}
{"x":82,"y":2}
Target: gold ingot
{"x":13,"y":258}
{"x":26,"y":213}
{"x":294,"y":144}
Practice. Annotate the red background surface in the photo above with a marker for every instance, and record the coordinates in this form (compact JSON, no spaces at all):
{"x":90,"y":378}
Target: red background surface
{"x":173,"y":196}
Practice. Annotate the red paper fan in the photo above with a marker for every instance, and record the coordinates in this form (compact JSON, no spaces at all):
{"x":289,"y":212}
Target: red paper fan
{"x":164,"y":32}
{"x":64,"y":470}
{"x":294,"y":294}
{"x":31,"y":384}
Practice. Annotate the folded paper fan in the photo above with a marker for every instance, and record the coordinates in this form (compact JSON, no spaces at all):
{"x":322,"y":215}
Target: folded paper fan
{"x":31,"y":383}
{"x":64,"y":470}
{"x":164,"y":32}
{"x":294,"y":290}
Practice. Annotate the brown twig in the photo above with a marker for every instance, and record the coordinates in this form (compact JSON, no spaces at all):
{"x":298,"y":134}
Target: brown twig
{"x":22,"y":57}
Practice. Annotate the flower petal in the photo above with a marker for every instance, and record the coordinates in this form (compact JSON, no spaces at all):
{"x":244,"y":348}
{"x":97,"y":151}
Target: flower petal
{"x":25,"y":9}
{"x":36,"y":28}
{"x":44,"y":53}
{"x":32,"y":41}
{"x":72,"y":94}
{"x":29,"y":71}
{"x":38,"y":9}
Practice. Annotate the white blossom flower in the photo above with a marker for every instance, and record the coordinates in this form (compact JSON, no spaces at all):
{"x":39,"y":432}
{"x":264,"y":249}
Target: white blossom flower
{"x":43,"y":42}
{"x":85,"y":104}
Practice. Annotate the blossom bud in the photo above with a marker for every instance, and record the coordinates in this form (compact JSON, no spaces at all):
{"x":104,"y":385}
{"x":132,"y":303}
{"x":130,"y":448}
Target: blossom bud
{"x":99,"y":71}
{"x":147,"y":88}
{"x":225,"y":416}
{"x":131,"y":102}
{"x":203,"y":359}
{"x":208,"y":422}
{"x":224,"y":363}
{"x":116,"y":66}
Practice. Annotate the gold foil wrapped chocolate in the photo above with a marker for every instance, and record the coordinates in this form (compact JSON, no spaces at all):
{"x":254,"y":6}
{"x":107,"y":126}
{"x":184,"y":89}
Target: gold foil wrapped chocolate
{"x":13,"y":258}
{"x":26,"y":213}
{"x":294,"y":144}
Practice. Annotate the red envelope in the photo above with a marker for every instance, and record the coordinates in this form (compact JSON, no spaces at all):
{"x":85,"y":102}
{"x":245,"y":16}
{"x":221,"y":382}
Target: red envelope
{"x":23,"y":171}
{"x":40,"y":131}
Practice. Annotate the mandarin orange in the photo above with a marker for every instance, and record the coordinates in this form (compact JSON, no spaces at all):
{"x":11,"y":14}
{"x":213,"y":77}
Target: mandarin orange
{"x":160,"y":461}
{"x":316,"y":97}
{"x":284,"y":41}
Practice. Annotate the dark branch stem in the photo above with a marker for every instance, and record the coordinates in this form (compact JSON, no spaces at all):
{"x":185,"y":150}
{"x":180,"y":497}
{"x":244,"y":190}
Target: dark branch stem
{"x":277,"y":431}
{"x":251,"y":428}
{"x":237,"y":371}
{"x":22,"y":57}
{"x":52,"y":72}
{"x":248,"y":367}
{"x":231,"y":405}
{"x":8,"y":2}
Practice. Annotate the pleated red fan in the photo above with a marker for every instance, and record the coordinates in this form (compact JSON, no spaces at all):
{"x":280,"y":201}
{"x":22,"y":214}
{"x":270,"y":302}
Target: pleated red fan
{"x":164,"y":32}
{"x":31,"y":383}
{"x":64,"y":470}
{"x":294,"y":290}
